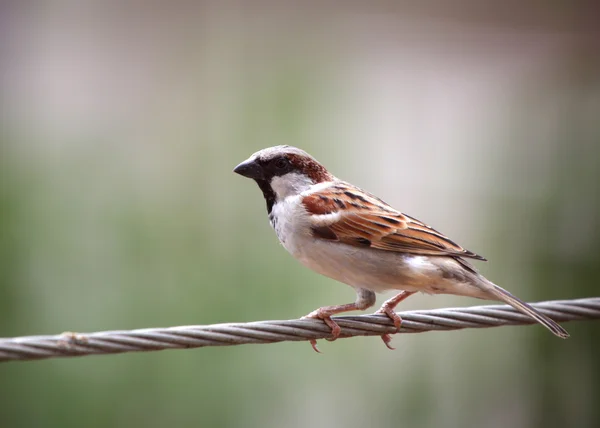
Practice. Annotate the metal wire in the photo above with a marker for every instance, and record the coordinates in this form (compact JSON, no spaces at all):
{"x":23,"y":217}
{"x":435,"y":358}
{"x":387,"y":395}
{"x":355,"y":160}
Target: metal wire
{"x":196,"y":336}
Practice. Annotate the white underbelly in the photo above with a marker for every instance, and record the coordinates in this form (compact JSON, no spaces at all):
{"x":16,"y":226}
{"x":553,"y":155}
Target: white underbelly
{"x":379,"y":270}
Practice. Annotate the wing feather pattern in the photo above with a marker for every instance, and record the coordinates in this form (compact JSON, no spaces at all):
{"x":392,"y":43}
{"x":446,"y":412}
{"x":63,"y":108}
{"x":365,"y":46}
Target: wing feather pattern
{"x":364,"y":219}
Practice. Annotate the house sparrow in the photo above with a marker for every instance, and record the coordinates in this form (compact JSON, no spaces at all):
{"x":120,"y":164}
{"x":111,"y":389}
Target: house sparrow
{"x":347,"y":234}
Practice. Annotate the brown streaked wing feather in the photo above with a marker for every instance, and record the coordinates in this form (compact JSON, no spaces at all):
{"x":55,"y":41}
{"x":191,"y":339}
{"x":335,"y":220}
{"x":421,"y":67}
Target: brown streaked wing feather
{"x":367,"y":220}
{"x":320,"y":203}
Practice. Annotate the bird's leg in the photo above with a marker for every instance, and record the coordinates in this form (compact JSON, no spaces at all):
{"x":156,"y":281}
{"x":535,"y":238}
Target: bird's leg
{"x":364,"y":299}
{"x":388,"y":309}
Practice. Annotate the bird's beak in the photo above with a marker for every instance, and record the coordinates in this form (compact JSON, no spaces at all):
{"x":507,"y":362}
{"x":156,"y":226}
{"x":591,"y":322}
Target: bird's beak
{"x":250,"y":168}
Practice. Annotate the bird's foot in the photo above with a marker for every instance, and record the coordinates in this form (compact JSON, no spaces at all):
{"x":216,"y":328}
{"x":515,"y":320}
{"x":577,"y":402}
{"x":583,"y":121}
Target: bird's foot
{"x":325,"y":315}
{"x":396,"y":319}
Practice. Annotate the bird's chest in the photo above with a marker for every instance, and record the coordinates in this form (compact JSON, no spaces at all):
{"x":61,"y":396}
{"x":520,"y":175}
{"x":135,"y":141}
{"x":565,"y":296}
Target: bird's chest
{"x":279,"y":225}
{"x":286,"y":218}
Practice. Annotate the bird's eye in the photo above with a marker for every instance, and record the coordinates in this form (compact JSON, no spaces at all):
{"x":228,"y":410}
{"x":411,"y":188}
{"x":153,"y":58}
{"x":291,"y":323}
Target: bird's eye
{"x":281,"y":163}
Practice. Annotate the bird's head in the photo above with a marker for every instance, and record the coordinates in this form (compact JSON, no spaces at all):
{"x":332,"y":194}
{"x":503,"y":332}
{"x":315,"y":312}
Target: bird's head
{"x":283,"y":171}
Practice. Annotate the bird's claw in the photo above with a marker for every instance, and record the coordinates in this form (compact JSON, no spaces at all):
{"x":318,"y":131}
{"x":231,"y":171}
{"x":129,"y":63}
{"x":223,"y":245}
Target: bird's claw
{"x":387,"y":340}
{"x":396,"y":319}
{"x":392,"y":315}
{"x":335,"y":328}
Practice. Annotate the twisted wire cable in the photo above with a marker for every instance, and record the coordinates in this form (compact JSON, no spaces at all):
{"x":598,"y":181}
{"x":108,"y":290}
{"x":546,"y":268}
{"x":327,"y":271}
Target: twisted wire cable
{"x":261,"y":332}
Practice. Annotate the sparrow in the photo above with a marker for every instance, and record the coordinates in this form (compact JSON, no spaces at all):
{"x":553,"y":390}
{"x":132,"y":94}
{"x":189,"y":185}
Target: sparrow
{"x":347,"y":234}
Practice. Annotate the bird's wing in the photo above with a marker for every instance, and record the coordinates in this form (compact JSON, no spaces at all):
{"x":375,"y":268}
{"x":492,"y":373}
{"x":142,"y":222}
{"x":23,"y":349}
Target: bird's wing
{"x":344,"y":213}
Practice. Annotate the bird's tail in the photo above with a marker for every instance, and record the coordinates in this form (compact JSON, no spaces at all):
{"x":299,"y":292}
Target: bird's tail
{"x":503,"y":295}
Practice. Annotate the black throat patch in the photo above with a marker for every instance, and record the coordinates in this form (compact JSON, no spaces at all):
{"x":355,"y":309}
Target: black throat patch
{"x":268,"y":193}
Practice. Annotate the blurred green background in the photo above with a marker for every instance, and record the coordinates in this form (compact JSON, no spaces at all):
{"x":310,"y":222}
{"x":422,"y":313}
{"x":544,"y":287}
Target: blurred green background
{"x":119,"y":128}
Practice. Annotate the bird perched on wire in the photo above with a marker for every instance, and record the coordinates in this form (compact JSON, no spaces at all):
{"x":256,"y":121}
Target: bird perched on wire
{"x":352,"y":236}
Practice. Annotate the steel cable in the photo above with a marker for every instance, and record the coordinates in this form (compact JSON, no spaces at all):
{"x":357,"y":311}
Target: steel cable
{"x":260,"y":332}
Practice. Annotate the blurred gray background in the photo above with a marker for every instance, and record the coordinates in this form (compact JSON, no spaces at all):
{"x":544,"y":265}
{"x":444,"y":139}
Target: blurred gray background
{"x":120,"y":125}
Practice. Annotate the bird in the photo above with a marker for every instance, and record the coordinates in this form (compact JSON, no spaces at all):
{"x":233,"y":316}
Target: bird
{"x":347,"y":234}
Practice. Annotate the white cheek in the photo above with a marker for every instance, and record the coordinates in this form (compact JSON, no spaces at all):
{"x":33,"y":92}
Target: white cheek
{"x":290,"y":184}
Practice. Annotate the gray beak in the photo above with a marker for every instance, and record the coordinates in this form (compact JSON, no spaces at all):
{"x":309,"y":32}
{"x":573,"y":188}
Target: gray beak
{"x":250,"y":168}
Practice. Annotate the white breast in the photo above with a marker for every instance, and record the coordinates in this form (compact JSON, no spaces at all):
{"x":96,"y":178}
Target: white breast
{"x":288,"y":216}
{"x":290,"y":220}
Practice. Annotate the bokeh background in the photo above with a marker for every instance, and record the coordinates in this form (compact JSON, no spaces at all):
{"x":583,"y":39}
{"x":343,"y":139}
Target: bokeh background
{"x":120,"y":124}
